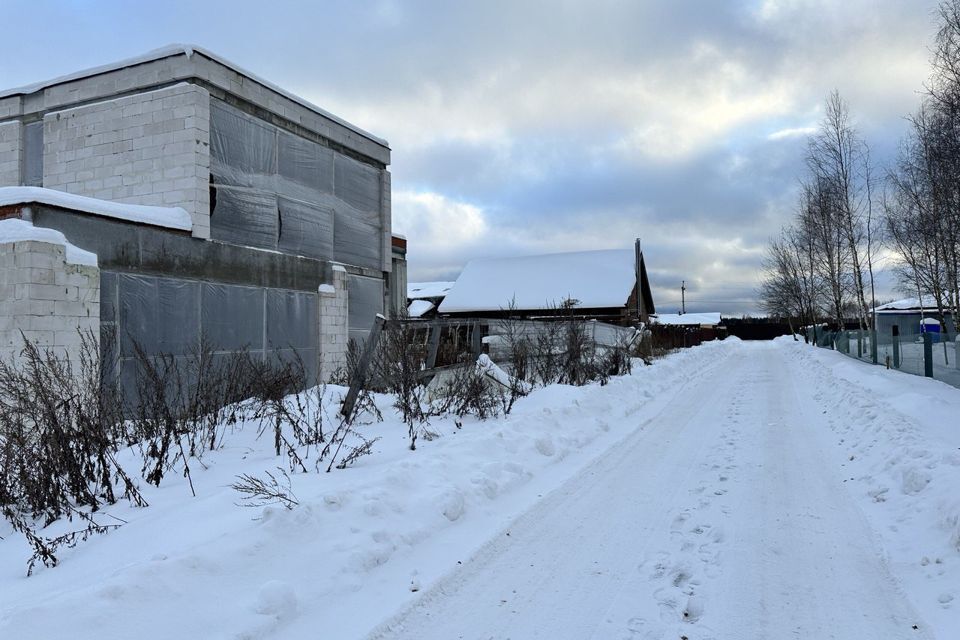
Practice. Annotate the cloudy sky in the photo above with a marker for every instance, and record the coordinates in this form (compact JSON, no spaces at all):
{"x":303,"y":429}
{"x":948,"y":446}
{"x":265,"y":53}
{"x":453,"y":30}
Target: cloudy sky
{"x":535,"y":127}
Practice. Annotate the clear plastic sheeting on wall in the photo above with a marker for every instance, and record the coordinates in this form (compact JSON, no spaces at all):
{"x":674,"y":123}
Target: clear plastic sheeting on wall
{"x":365,"y":300}
{"x":257,"y":167}
{"x":245,"y":216}
{"x":305,"y":229}
{"x":170,"y":316}
{"x":291,"y":319}
{"x":305,"y":162}
{"x":353,"y":237}
{"x":33,"y":154}
{"x":157,"y":314}
{"x":241,"y":147}
{"x":232,"y":317}
{"x":357,"y":184}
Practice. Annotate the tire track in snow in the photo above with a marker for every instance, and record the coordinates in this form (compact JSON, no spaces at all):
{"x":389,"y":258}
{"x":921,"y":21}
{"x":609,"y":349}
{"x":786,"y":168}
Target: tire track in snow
{"x":717,"y":521}
{"x":556,"y":570}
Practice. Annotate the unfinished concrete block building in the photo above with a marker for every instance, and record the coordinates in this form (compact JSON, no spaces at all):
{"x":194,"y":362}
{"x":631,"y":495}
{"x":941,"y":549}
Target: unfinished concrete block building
{"x":219,"y":206}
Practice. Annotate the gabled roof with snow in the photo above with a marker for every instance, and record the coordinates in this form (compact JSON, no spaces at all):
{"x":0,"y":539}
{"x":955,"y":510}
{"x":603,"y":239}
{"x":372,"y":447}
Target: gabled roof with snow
{"x":595,"y":279}
{"x":188,"y":50}
{"x":685,"y":319}
{"x":169,"y":217}
{"x":17,"y":230}
{"x":421,"y":290}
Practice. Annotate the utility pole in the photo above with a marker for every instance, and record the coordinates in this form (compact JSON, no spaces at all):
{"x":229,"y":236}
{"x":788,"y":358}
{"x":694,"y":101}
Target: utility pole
{"x":683,"y":297}
{"x":638,"y":258}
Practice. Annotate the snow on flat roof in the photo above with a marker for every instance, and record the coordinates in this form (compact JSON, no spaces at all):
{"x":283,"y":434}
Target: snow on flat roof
{"x":169,"y":217}
{"x":419,"y":307}
{"x":596,"y":279}
{"x":688,"y":318}
{"x":17,"y":230}
{"x":419,"y":290}
{"x":187,"y":50}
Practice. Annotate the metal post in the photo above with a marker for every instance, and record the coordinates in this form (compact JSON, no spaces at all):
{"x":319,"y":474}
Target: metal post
{"x":360,"y":377}
{"x":860,"y":343}
{"x":896,"y":347}
{"x":435,"y":330}
{"x":873,"y":345}
{"x":476,"y":340}
{"x":637,"y":257}
{"x":956,"y":351}
{"x":927,"y":354}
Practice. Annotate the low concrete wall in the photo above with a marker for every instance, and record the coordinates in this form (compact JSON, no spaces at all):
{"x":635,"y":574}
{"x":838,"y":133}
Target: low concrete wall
{"x":124,"y":247}
{"x":47,"y":299}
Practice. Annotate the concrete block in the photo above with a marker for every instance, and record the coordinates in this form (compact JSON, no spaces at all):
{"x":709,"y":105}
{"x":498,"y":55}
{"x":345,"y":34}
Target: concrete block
{"x":49,"y":292}
{"x":41,"y":337}
{"x":69,"y":336}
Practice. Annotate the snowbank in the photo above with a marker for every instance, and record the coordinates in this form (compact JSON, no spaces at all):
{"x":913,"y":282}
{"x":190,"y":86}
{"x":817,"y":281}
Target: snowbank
{"x":16,"y":230}
{"x":897,"y":435}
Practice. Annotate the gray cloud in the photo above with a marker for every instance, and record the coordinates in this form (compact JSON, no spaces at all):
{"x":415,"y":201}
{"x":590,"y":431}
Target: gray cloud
{"x":546,"y":126}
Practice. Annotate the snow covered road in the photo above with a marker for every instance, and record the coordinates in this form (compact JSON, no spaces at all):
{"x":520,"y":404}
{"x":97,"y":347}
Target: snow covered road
{"x":721,"y":518}
{"x":733,"y":491}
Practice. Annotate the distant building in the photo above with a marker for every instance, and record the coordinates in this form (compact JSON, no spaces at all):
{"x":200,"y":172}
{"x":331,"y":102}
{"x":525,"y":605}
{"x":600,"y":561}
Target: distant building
{"x":909,"y":316}
{"x":610,"y":286}
{"x":703,"y":320}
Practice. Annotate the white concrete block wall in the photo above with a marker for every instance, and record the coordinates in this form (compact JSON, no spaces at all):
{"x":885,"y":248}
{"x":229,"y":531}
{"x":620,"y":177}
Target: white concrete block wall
{"x":46,"y":298}
{"x":334,"y":326}
{"x":151,"y":148}
{"x":11,"y":137}
{"x":11,"y":106}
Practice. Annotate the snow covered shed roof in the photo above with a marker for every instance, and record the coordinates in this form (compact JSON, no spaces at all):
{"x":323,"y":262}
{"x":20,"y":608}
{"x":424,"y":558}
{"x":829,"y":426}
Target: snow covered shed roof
{"x":908,"y":305}
{"x":419,"y":307}
{"x":688,"y":319}
{"x":595,"y":279}
{"x":422,"y":290}
{"x":168,"y":217}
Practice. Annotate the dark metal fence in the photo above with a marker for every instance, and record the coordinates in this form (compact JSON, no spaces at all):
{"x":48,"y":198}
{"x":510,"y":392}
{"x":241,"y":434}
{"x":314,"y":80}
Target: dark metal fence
{"x":929,"y":354}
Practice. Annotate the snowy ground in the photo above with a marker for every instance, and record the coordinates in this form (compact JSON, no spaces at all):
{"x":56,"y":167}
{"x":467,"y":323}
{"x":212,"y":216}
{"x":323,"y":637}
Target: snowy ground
{"x":735,"y":490}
